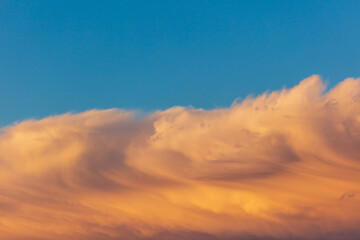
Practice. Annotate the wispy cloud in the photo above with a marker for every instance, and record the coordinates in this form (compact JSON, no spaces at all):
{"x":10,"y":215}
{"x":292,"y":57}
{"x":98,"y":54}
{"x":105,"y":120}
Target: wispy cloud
{"x":283,"y":165}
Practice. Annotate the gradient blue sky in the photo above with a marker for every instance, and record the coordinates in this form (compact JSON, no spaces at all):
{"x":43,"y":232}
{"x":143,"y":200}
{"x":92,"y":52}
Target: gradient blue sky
{"x":60,"y":56}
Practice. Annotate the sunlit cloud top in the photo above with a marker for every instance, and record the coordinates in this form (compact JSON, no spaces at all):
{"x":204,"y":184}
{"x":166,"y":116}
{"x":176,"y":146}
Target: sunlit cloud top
{"x":282,"y":165}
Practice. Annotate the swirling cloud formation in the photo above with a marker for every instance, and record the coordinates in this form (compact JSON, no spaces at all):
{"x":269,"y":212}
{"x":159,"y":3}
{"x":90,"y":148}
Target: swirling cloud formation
{"x":283,"y":165}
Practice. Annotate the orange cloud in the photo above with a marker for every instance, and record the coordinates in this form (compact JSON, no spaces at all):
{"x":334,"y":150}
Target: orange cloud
{"x":283,"y":165}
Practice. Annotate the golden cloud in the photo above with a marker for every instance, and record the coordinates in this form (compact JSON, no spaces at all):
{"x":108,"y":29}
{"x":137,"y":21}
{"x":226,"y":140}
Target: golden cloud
{"x":283,"y":165}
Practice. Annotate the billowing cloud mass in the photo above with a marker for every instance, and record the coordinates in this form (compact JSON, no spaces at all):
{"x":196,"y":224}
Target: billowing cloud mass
{"x":283,"y":165}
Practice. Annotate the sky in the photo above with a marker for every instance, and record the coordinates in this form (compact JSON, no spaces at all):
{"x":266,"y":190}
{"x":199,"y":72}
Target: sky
{"x":173,"y":120}
{"x":61,"y":56}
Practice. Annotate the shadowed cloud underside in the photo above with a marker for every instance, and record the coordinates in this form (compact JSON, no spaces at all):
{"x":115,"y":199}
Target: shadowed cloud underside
{"x":283,"y":165}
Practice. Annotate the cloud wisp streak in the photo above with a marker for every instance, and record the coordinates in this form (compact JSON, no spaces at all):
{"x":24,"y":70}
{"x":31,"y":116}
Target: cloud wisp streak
{"x":283,"y":165}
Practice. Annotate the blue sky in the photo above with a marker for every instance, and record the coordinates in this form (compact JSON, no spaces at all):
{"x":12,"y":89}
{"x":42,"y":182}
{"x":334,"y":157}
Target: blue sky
{"x":60,"y":56}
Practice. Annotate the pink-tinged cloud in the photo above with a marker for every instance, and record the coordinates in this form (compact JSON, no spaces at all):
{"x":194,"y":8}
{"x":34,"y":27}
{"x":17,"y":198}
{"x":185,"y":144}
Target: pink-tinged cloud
{"x":283,"y":165}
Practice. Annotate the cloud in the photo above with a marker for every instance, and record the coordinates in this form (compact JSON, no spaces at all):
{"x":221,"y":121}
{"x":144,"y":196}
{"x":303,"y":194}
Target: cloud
{"x":283,"y":165}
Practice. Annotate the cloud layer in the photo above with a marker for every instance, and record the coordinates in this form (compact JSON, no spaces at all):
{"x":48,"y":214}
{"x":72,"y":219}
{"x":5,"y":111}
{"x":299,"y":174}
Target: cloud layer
{"x":283,"y":165}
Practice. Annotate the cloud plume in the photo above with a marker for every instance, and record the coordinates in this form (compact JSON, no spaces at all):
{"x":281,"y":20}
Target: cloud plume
{"x":283,"y":165}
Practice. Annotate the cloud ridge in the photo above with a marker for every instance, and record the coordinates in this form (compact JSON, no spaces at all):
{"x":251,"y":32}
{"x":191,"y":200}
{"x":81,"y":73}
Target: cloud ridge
{"x":282,"y":165}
